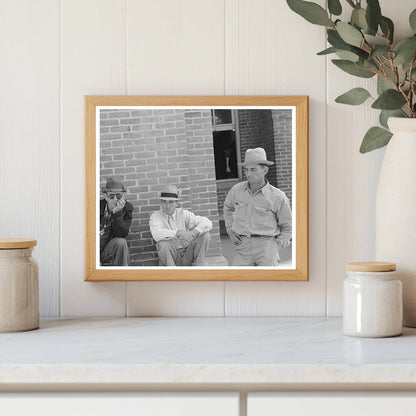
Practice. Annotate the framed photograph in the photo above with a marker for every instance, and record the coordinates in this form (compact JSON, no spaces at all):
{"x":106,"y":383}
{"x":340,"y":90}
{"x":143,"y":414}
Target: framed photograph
{"x":196,"y":188}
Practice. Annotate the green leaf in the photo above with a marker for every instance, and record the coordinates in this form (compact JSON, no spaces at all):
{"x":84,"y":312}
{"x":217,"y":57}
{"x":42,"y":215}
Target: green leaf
{"x":352,"y":68}
{"x":349,"y":34}
{"x":347,"y":55}
{"x":405,"y":50}
{"x":386,"y":114}
{"x":387,"y":27}
{"x":375,"y":138}
{"x":327,"y":51}
{"x":370,"y":65}
{"x":311,"y":12}
{"x":381,"y":50}
{"x":334,"y":7}
{"x":336,"y":41}
{"x":355,"y":96}
{"x":389,"y":100}
{"x":358,"y":18}
{"x":412,"y":20}
{"x":373,"y":15}
{"x":383,"y":84}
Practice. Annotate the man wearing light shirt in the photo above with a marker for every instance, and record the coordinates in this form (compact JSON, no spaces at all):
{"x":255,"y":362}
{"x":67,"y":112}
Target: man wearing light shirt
{"x":257,"y":215}
{"x":182,"y":238}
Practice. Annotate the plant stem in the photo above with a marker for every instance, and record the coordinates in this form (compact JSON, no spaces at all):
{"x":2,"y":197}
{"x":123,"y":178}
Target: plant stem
{"x":384,"y":73}
{"x":395,"y":71}
{"x":412,"y":86}
{"x":406,"y":97}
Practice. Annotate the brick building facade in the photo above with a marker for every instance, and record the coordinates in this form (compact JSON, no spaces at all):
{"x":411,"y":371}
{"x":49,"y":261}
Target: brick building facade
{"x":150,"y":148}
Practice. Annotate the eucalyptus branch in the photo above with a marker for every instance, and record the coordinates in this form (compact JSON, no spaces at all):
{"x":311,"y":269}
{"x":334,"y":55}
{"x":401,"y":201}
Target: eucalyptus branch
{"x":387,"y":38}
{"x":386,"y":61}
{"x":395,"y":71}
{"x":380,"y":64}
{"x":366,"y":39}
{"x":384,"y":73}
{"x":371,"y":70}
{"x":406,"y":97}
{"x":413,"y":89}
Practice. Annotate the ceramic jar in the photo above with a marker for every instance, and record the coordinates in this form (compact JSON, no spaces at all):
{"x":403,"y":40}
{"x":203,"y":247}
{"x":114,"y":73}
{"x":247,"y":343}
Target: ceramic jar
{"x":19,"y":286}
{"x":372,"y":300}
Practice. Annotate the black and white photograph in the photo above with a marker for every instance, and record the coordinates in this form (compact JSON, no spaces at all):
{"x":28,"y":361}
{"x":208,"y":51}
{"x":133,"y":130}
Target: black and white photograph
{"x":196,"y":186}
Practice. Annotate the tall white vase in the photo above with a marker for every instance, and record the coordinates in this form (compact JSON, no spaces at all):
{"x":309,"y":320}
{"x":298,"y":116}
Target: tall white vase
{"x":396,"y":210}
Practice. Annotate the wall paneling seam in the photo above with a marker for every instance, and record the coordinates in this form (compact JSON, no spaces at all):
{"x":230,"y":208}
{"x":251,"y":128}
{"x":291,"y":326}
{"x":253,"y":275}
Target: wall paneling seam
{"x":60,"y":68}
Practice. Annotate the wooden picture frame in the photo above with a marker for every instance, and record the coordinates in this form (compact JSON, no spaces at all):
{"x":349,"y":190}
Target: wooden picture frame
{"x":103,"y":123}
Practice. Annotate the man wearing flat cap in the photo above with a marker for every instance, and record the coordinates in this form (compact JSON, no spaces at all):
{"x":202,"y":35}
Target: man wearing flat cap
{"x":115,"y":221}
{"x":257,"y":215}
{"x":182,"y":238}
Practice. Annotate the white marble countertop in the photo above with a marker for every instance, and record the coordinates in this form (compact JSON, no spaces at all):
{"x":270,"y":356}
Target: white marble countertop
{"x":178,"y":352}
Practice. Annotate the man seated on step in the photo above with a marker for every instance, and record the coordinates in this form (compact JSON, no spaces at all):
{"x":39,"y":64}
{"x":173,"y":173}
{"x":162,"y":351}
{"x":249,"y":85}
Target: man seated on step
{"x":182,"y":238}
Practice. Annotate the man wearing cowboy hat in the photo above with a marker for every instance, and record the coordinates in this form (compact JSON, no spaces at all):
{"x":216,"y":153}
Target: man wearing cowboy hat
{"x":115,"y":221}
{"x":257,"y":215}
{"x":182,"y":238}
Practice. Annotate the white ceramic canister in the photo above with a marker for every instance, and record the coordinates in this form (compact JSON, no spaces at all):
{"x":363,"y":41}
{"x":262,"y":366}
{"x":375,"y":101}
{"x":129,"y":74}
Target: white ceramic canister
{"x":372,"y":300}
{"x":19,"y":286}
{"x":395,"y":209}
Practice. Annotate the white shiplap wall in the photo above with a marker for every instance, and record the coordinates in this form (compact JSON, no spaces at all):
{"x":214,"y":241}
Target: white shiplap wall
{"x":30,"y":135}
{"x":55,"y":52}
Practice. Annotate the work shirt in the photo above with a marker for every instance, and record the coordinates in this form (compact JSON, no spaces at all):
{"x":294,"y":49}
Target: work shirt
{"x":266,"y":212}
{"x":164,"y":227}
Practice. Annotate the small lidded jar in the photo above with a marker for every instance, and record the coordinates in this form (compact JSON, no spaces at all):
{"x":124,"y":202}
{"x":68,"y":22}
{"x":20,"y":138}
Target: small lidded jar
{"x":19,"y":286}
{"x":372,"y":300}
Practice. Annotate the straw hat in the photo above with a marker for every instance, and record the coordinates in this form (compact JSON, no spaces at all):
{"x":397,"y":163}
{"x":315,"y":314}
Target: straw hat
{"x":169,"y":193}
{"x":255,"y":157}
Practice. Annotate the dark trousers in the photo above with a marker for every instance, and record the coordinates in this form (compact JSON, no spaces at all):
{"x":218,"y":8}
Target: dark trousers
{"x":115,"y":253}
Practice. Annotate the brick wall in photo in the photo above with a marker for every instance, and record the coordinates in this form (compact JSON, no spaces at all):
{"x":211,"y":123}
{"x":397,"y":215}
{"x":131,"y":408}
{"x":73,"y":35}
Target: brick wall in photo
{"x":148,"y":149}
{"x":252,"y":132}
{"x":201,"y":169}
{"x":256,"y":130}
{"x":269,"y":145}
{"x":222,"y":190}
{"x":282,"y":121}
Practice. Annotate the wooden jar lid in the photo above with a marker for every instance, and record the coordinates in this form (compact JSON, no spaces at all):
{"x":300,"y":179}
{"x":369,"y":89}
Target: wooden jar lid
{"x":371,"y":266}
{"x":11,"y":243}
